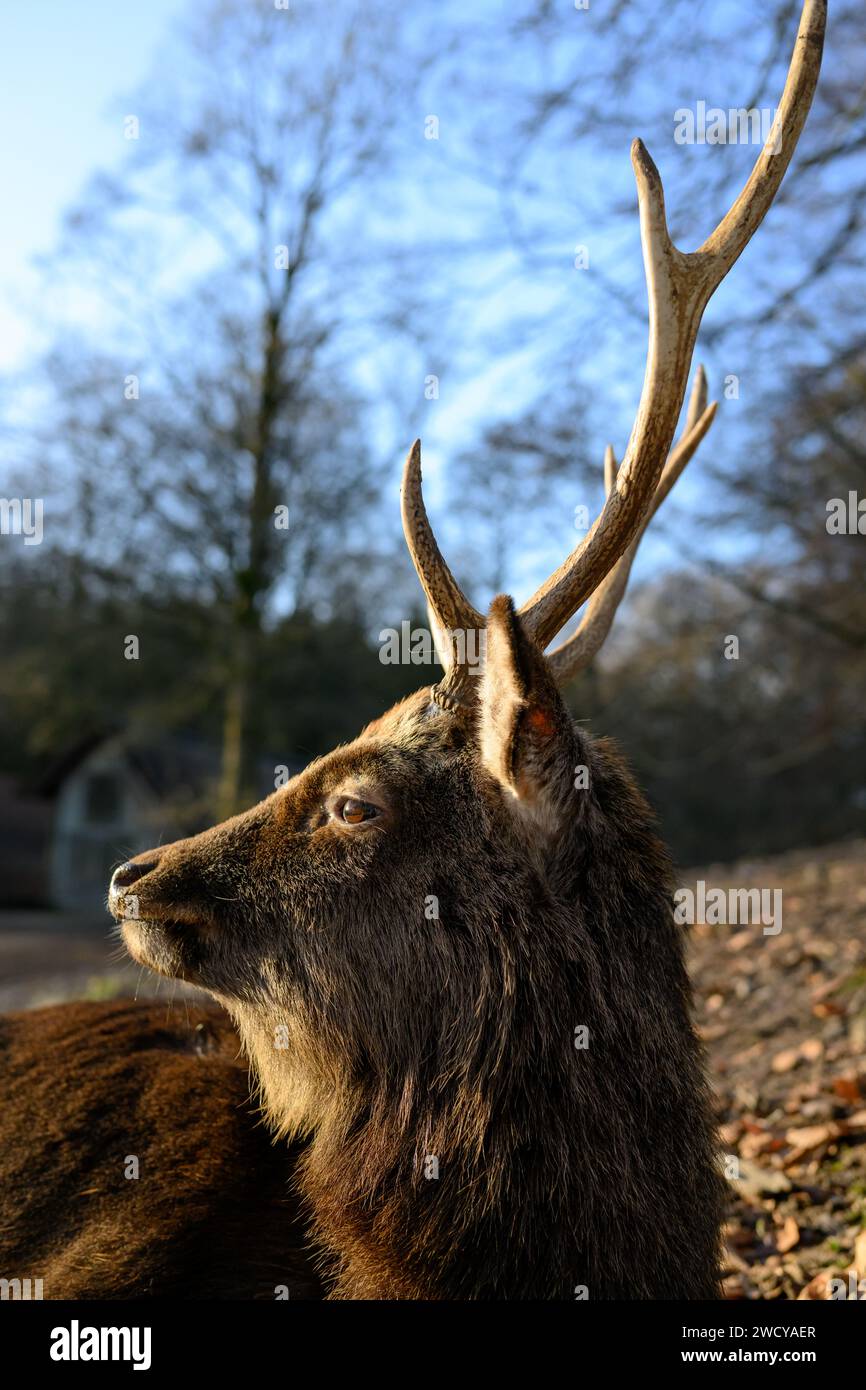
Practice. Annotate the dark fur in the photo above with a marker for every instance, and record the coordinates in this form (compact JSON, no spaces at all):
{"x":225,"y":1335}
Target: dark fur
{"x":409,"y":1037}
{"x":212,"y":1214}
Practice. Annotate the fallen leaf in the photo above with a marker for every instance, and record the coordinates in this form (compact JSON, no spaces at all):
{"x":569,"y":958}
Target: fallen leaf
{"x":847,"y":1088}
{"x":713,"y":1032}
{"x":751,"y":1145}
{"x":730,"y":1133}
{"x":735,"y":1287}
{"x":813,"y":1136}
{"x":818,"y":1288}
{"x":827,"y":988}
{"x":739,"y":940}
{"x":788,"y":1237}
{"x":828,"y":1008}
{"x":755,"y":1182}
{"x":821,"y":950}
{"x":809,"y":1138}
{"x":786,"y":1061}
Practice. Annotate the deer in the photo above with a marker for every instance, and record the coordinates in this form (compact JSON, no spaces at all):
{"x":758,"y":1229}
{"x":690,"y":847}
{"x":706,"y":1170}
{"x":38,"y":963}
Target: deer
{"x":446,"y":951}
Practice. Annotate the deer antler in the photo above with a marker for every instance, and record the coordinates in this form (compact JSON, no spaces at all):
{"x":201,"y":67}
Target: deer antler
{"x":450,"y":611}
{"x":679,"y":287}
{"x":576,"y":653}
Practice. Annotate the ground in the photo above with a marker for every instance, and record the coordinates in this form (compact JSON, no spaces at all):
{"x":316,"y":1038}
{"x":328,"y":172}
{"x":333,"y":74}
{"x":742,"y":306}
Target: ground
{"x":783,"y":1017}
{"x":49,"y":957}
{"x":784,"y":1021}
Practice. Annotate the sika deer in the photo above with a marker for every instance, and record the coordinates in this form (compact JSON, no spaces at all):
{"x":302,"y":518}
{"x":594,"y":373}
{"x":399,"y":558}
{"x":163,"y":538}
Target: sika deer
{"x":448,"y":947}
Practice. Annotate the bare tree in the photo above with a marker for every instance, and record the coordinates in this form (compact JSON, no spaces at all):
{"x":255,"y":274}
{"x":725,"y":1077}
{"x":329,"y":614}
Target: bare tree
{"x":230,"y":265}
{"x":573,"y":88}
{"x":548,"y":144}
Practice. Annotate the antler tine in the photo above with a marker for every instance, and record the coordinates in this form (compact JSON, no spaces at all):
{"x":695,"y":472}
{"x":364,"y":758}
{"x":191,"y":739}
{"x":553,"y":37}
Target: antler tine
{"x":610,"y":467}
{"x":576,"y":653}
{"x":699,"y":417}
{"x":679,"y":286}
{"x":697,"y":399}
{"x":450,"y":611}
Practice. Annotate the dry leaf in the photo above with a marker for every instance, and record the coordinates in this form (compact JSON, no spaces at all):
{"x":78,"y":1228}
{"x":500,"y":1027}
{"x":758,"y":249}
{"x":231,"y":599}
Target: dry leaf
{"x":751,"y":1145}
{"x":809,"y":1138}
{"x":739,"y":940}
{"x":847,"y":1088}
{"x":819,"y":1287}
{"x":813,"y":1136}
{"x":713,"y":1032}
{"x":755,"y":1182}
{"x":787,"y":1060}
{"x":734,"y":1286}
{"x":828,"y":1008}
{"x":730,"y":1133}
{"x":788,"y":1237}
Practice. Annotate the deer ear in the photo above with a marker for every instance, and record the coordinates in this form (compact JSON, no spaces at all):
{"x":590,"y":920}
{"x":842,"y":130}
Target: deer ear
{"x":525,"y":733}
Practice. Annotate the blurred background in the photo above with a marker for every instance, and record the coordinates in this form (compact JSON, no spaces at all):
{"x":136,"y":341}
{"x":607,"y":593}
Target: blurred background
{"x":251,"y":249}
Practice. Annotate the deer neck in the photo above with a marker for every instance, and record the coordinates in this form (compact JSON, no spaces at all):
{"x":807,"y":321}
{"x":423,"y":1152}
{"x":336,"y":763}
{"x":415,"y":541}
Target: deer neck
{"x":402,"y":1222}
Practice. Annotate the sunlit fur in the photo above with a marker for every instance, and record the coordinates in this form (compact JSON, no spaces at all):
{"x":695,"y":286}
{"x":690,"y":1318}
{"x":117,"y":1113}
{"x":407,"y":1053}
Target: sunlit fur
{"x":392,"y":1037}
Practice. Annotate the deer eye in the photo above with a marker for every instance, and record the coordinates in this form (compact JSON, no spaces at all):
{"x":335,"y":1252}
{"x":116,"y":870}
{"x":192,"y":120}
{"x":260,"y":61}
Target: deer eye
{"x":354,"y":812}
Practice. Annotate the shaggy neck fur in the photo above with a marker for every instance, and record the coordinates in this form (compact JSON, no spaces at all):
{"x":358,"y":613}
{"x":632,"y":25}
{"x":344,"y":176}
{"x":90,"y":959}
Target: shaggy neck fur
{"x":523,"y":1166}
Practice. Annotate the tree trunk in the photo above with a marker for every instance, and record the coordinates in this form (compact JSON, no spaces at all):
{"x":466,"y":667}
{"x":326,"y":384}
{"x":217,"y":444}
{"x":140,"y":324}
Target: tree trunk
{"x":238,"y":780}
{"x":236,"y":786}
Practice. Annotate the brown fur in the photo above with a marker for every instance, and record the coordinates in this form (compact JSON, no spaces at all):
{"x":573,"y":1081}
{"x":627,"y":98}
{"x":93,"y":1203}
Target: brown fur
{"x":212,"y":1214}
{"x":455,"y":1142}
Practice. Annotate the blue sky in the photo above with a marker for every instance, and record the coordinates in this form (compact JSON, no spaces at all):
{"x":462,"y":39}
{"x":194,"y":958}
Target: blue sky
{"x":63,"y":69}
{"x":65,"y":73}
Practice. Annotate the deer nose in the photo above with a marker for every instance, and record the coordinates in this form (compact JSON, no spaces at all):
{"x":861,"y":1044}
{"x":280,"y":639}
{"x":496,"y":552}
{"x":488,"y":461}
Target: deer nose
{"x":130,"y":872}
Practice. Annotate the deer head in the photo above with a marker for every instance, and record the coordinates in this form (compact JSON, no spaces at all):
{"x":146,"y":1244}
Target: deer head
{"x":449,"y":947}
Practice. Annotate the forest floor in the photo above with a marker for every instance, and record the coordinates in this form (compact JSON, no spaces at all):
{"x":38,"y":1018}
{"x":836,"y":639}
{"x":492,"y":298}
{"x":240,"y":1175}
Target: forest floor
{"x":783,"y":1017}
